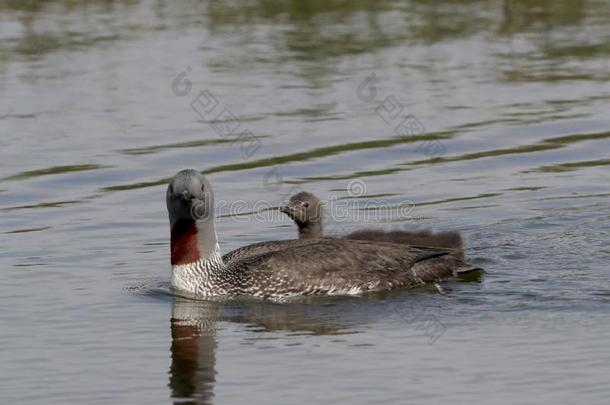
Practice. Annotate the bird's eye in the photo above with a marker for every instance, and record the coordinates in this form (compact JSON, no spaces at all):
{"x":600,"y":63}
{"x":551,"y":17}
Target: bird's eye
{"x":305,"y":204}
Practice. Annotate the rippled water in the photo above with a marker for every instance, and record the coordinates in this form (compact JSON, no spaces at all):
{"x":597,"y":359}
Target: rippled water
{"x":491,"y":117}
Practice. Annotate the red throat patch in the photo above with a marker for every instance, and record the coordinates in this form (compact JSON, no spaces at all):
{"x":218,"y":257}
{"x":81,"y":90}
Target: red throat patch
{"x":184,"y":243}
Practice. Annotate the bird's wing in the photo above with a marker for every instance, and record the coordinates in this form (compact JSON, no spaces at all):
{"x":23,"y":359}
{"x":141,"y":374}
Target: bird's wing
{"x":338,"y":262}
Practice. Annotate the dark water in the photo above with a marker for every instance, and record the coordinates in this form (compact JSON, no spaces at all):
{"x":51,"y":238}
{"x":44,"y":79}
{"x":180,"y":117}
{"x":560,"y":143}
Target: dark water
{"x":490,"y":117}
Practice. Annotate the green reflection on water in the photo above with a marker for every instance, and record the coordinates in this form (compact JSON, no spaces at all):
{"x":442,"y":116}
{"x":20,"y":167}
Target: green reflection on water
{"x":566,"y":167}
{"x":296,"y":157}
{"x":544,"y":145}
{"x":190,"y":144}
{"x":53,"y":170}
{"x":319,"y":29}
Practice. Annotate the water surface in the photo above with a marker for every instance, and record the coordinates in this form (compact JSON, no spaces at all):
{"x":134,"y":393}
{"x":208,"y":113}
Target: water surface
{"x":489,"y":117}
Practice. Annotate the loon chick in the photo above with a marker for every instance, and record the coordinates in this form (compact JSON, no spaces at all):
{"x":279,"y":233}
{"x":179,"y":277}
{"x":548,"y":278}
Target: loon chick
{"x":323,"y":266}
{"x":306,"y":210}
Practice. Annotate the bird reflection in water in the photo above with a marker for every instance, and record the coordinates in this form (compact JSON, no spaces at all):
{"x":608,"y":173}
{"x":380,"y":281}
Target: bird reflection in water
{"x":193,"y":370}
{"x":194,"y":323}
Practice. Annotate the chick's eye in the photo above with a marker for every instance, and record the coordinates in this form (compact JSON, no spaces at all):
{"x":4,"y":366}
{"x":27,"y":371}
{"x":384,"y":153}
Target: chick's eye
{"x":305,"y":204}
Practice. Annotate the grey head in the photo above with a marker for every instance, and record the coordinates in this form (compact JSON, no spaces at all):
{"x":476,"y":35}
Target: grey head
{"x":189,"y":197}
{"x":306,"y":210}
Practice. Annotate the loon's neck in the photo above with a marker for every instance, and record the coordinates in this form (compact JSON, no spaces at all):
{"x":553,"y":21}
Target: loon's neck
{"x":311,"y":229}
{"x":202,"y":277}
{"x":197,"y":265}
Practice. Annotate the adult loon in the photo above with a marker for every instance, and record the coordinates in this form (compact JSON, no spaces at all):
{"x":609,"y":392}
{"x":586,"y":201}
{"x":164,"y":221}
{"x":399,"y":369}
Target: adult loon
{"x":306,"y":210}
{"x":279,"y":269}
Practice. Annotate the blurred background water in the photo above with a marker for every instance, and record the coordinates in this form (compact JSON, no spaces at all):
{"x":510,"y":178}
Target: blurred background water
{"x":491,"y":117}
